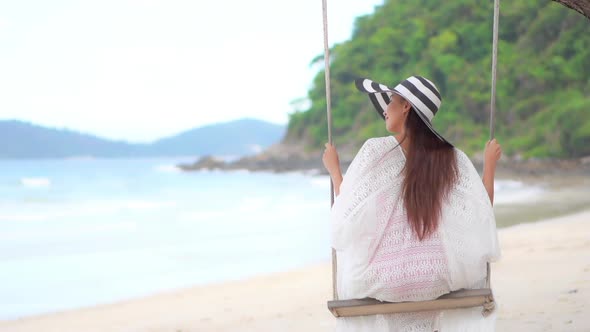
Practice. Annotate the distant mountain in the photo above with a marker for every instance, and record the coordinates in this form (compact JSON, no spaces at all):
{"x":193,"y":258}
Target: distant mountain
{"x":23,"y":140}
{"x":242,"y":137}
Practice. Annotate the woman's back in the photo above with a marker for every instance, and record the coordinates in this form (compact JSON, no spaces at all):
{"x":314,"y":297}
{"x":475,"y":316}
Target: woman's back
{"x":379,"y":254}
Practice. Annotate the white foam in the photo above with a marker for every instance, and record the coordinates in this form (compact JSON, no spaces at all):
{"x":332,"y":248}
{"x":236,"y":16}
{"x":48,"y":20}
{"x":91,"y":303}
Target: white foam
{"x":511,"y":192}
{"x":255,"y":148}
{"x":204,"y":215}
{"x":254,"y":204}
{"x":312,"y":172}
{"x":114,"y":206}
{"x":505,"y":191}
{"x":507,"y":184}
{"x":85,"y":208}
{"x":36,"y":182}
{"x":321,"y":182}
{"x":69,"y":231}
{"x":240,"y":171}
{"x":22,"y":217}
{"x":145,"y":205}
{"x":167,"y":169}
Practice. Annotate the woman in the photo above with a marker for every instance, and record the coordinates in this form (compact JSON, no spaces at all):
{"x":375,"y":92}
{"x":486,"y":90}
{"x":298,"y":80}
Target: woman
{"x":412,"y":219}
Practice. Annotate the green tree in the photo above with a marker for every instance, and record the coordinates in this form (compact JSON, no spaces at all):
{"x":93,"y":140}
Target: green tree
{"x":543,"y":89}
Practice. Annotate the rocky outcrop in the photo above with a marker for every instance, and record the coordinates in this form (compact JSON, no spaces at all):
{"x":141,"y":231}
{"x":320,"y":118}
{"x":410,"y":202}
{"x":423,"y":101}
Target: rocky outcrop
{"x":278,"y":158}
{"x":288,"y":158}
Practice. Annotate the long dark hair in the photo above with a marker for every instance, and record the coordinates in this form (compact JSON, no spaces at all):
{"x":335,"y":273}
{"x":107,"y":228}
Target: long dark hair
{"x":430,"y":172}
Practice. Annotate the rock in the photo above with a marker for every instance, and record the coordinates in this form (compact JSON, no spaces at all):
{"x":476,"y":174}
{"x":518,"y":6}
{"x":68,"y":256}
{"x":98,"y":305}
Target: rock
{"x":207,"y":162}
{"x":281,"y":158}
{"x":278,"y":158}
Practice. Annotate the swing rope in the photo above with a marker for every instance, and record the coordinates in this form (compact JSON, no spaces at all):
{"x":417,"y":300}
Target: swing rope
{"x":494,"y":65}
{"x":329,"y":111}
{"x":493,"y":94}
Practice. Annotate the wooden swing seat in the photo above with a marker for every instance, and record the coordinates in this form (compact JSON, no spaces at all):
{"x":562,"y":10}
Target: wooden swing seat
{"x":464,"y":298}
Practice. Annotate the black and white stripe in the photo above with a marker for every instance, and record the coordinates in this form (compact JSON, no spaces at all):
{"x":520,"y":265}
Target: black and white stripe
{"x":379,"y":98}
{"x":419,"y":91}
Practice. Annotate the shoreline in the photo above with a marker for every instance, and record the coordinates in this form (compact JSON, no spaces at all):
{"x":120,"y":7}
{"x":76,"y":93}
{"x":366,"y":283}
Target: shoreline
{"x":559,"y":196}
{"x":541,"y":282}
{"x":281,"y":158}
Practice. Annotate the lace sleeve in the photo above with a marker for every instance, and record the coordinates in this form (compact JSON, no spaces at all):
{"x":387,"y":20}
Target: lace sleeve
{"x":469,"y":228}
{"x":483,"y":200}
{"x":356,"y":166}
{"x":352,"y":214}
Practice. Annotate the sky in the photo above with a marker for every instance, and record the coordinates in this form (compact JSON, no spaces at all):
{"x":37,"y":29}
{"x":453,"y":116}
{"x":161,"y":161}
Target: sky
{"x":139,"y":70}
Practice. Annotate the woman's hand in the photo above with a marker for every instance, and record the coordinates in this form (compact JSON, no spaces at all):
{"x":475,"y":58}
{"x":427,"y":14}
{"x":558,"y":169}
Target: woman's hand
{"x":332,"y":164}
{"x":492,"y":153}
{"x":331,"y":160}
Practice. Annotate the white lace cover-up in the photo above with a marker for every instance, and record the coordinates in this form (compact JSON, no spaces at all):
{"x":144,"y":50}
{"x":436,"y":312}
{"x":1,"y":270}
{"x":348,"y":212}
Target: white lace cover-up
{"x":380,"y":257}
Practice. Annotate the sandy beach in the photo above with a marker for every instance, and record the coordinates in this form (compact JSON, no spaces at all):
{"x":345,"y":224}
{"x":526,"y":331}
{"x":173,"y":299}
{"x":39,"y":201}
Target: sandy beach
{"x":542,"y":283}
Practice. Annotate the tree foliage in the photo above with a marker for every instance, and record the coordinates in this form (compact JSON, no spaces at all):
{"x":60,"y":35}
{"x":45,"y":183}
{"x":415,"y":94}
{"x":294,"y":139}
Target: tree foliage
{"x":543,"y":89}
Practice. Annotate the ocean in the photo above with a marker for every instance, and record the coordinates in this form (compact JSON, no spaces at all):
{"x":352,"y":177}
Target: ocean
{"x":82,"y":232}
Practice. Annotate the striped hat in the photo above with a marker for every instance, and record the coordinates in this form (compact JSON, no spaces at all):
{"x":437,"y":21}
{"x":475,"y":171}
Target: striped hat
{"x":417,"y":90}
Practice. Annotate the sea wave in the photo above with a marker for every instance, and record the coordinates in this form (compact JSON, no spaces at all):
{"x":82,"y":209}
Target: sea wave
{"x":137,"y":204}
{"x":255,"y":148}
{"x":36,"y":182}
{"x":68,"y":230}
{"x":512,"y":191}
{"x":23,"y":217}
{"x":322,"y":181}
{"x":83,"y":208}
{"x":167,"y":169}
{"x":508,"y":184}
{"x":254,"y":204}
{"x":191,"y":217}
{"x":118,"y":205}
{"x":506,"y":191}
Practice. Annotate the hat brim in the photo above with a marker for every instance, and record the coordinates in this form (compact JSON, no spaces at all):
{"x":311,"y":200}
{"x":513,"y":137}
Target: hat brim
{"x":380,"y":97}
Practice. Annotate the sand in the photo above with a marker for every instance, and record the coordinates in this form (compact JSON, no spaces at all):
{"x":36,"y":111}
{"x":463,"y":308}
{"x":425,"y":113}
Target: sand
{"x":542,"y":283}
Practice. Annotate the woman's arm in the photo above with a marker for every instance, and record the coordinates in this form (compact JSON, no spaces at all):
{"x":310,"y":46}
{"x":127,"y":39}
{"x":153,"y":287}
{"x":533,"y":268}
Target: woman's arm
{"x":332,"y":164}
{"x":492,"y":154}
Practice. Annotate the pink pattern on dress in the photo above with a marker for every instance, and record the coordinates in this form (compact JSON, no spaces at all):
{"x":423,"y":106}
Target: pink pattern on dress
{"x":402,"y":265}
